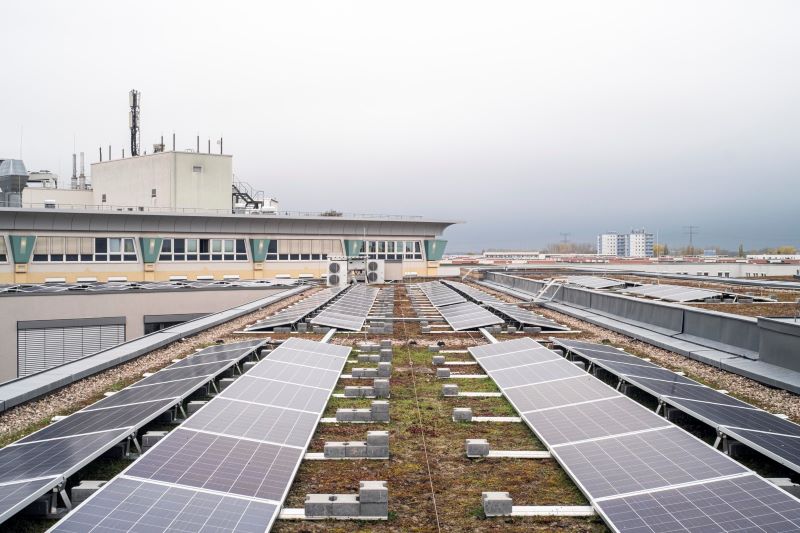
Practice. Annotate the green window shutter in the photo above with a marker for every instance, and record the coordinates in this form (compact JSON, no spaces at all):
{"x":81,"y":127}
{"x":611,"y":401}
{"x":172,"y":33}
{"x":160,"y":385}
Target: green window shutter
{"x":22,"y":248}
{"x":353,"y":248}
{"x":258,"y":249}
{"x":151,"y":248}
{"x":434,"y":249}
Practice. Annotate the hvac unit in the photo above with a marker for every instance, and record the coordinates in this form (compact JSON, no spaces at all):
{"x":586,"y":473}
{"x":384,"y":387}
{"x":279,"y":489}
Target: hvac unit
{"x":337,"y":273}
{"x":376,"y":271}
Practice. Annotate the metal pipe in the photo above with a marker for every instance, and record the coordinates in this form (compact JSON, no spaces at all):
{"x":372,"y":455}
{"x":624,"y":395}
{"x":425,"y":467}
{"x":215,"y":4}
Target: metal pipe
{"x":173,"y":141}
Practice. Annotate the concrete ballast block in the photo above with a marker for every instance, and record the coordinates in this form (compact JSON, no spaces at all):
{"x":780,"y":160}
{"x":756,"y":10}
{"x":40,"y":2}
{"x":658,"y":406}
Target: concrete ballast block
{"x":377,"y":438}
{"x":373,"y":492}
{"x":438,"y":360}
{"x":86,"y":488}
{"x":433,"y":348}
{"x":193,"y":407}
{"x":356,"y":449}
{"x":496,"y":503}
{"x":462,"y":414}
{"x":442,"y":372}
{"x":317,"y":505}
{"x":151,"y":437}
{"x":449,"y":389}
{"x":335,"y":450}
{"x":345,"y":505}
{"x":477,"y":447}
{"x":384,"y":370}
{"x":224,"y":383}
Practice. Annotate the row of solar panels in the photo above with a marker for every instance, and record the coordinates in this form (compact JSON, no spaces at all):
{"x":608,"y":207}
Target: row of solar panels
{"x":640,"y":472}
{"x":297,"y":311}
{"x":350,"y":311}
{"x":35,"y":464}
{"x":773,"y":436}
{"x":673,"y":293}
{"x":455,"y":309}
{"x":507,"y":310}
{"x":595,"y":282}
{"x":139,"y":286}
{"x":229,"y":467}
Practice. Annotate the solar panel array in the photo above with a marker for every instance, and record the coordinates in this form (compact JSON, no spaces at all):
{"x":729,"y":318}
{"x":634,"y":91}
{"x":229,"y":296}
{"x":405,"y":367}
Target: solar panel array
{"x":350,"y":311}
{"x":115,"y":286}
{"x":455,"y":309}
{"x":639,"y":471}
{"x":38,"y":462}
{"x":508,"y":310}
{"x":595,"y":282}
{"x":297,"y":311}
{"x":673,"y":293}
{"x":773,"y":436}
{"x":229,"y":467}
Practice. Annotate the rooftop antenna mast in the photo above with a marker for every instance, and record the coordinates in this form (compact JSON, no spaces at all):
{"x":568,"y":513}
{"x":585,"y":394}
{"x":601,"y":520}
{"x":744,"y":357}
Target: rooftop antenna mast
{"x":135,"y":98}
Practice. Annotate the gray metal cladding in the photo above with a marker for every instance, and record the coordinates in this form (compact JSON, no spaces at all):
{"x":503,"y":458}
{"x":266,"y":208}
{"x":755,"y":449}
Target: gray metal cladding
{"x":576,"y":297}
{"x":722,"y":331}
{"x":656,"y":316}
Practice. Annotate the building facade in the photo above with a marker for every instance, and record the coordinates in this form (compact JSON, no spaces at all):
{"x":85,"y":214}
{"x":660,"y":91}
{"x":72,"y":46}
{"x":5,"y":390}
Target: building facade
{"x":40,"y":245}
{"x":637,"y":243}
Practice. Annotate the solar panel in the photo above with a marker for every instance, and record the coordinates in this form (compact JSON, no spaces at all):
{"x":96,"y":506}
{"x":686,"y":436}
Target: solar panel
{"x":775,"y":437}
{"x":247,"y":442}
{"x":467,"y":315}
{"x":62,"y":448}
{"x":297,"y":311}
{"x":39,"y":459}
{"x":223,"y":464}
{"x":511,"y":311}
{"x":83,"y":422}
{"x":643,"y":461}
{"x":350,"y":311}
{"x":592,"y":351}
{"x":185,"y":372}
{"x":524,"y":357}
{"x":257,"y":422}
{"x":746,"y":503}
{"x":157,"y":507}
{"x":592,"y":420}
{"x":782,"y":448}
{"x":559,"y":393}
{"x":536,"y":373}
{"x":14,"y":496}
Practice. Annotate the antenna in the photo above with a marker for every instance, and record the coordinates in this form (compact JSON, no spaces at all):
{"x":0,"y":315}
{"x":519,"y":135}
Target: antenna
{"x":134,"y":98}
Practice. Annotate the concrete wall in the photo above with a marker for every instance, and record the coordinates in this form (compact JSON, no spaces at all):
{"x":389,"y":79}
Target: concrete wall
{"x":132,"y":305}
{"x":63,"y":197}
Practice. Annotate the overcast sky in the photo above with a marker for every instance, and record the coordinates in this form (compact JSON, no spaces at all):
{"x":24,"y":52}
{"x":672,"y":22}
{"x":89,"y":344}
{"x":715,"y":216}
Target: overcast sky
{"x":523,"y":119}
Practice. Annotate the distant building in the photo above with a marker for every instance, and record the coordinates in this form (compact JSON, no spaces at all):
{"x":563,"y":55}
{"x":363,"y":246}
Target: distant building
{"x":637,"y":243}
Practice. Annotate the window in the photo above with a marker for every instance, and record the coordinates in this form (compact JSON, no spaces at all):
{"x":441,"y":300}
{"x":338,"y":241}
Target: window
{"x":103,"y":198}
{"x":197,"y":168}
{"x":303,"y":249}
{"x":152,"y":193}
{"x":203,"y":250}
{"x":54,"y":249}
{"x":3,"y":250}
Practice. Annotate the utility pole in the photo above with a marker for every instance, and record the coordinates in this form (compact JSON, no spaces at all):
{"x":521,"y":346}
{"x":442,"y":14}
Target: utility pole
{"x":565,"y":237}
{"x":692,"y":231}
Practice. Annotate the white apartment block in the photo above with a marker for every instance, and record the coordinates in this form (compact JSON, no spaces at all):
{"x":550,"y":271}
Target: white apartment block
{"x":637,"y":243}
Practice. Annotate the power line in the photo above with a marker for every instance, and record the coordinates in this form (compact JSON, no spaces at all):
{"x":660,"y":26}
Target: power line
{"x":565,"y":237}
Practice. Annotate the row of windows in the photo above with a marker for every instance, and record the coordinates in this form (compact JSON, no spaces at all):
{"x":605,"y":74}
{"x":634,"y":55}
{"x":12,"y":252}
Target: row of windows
{"x":123,"y":249}
{"x":203,"y":250}
{"x":303,"y":249}
{"x":394,"y":250}
{"x":84,"y":250}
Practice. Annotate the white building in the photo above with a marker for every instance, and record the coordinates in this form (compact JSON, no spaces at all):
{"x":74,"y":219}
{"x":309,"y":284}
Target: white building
{"x":168,"y":181}
{"x":637,"y":243}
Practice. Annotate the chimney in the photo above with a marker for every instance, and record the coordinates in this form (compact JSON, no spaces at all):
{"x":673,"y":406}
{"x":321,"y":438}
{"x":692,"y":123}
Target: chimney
{"x":73,"y":182}
{"x":82,"y":177}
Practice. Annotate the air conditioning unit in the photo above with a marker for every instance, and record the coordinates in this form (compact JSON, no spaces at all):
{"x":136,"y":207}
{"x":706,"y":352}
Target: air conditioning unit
{"x":376,"y":271}
{"x":337,"y":274}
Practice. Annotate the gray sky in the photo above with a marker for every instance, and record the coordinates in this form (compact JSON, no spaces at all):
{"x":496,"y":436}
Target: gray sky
{"x":524,"y":119}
